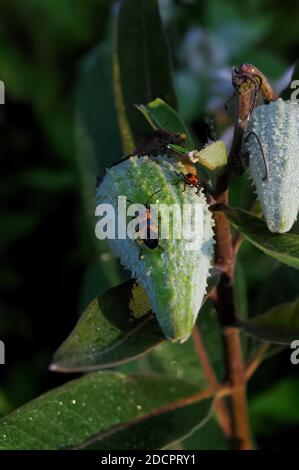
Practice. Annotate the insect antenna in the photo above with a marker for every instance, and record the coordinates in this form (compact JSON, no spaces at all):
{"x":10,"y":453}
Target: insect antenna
{"x":149,"y":198}
{"x":262,"y":152}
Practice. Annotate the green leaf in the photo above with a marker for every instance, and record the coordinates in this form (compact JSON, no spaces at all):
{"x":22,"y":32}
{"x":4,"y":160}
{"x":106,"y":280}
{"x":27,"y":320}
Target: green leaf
{"x":274,"y":407}
{"x":116,"y":327}
{"x":142,"y":69}
{"x":283,"y":247}
{"x":157,"y":432}
{"x":182,"y":360}
{"x":160,"y":115}
{"x":280,"y":325}
{"x":95,"y":407}
{"x":281,"y":286}
{"x":95,"y":107}
{"x":208,"y":437}
{"x":97,"y":138}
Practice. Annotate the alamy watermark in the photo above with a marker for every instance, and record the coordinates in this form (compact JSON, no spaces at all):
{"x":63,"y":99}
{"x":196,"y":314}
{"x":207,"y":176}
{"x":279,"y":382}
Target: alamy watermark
{"x":2,"y":353}
{"x":294,"y":358}
{"x":156,"y":221}
{"x":2,"y":92}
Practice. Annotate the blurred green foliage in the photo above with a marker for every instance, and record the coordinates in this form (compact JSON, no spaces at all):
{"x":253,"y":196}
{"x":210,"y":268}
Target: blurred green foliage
{"x":49,"y":263}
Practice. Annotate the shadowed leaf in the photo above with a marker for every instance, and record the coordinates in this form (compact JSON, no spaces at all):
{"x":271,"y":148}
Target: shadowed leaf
{"x":97,"y":140}
{"x":280,"y":325}
{"x":142,"y":70}
{"x":283,"y":247}
{"x":116,"y":327}
{"x":276,"y":406}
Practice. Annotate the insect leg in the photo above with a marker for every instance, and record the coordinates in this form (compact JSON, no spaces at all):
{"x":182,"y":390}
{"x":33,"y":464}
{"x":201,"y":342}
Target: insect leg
{"x":251,"y":133}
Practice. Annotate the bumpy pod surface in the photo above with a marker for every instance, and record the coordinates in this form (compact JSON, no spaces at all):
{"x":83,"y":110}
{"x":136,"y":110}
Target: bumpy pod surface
{"x":175,"y":278}
{"x":277,"y":127}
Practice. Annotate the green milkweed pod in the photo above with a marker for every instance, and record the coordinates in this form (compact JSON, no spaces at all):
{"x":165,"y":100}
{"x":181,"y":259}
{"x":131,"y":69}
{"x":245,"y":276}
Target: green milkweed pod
{"x":175,"y":278}
{"x":277,"y":178}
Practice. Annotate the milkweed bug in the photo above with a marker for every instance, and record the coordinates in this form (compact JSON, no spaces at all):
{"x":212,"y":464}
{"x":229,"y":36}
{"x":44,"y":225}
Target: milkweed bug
{"x":189,"y":179}
{"x":150,"y":233}
{"x":192,"y":180}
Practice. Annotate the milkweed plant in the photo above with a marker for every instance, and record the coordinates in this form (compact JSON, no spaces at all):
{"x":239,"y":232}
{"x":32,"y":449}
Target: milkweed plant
{"x":166,"y":352}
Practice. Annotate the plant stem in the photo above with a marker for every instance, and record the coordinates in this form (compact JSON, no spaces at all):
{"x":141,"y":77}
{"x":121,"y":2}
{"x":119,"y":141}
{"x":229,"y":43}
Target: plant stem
{"x":220,"y":405}
{"x":224,"y":302}
{"x":238,"y":401}
{"x":245,"y":80}
{"x":224,"y":298}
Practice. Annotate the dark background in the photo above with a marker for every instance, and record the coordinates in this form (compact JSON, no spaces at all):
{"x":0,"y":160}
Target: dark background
{"x":46,"y":248}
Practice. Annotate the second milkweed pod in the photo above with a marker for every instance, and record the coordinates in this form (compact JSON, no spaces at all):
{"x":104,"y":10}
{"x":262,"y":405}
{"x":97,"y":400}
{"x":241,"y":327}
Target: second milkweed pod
{"x":273,"y":161}
{"x":173,"y":274}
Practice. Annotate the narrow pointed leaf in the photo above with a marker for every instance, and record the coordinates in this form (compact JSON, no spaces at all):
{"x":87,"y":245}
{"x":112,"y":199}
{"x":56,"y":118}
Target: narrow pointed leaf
{"x":280,"y":325}
{"x":142,"y":69}
{"x":91,"y":408}
{"x":116,"y":327}
{"x":97,"y":139}
{"x":283,"y":247}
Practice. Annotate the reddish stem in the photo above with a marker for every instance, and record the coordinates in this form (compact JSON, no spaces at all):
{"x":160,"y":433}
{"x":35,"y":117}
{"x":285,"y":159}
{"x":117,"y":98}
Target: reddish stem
{"x":220,"y":405}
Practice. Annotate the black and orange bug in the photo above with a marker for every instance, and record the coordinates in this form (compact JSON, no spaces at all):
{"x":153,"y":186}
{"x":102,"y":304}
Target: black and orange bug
{"x":150,"y":234}
{"x":192,"y":180}
{"x":189,"y":179}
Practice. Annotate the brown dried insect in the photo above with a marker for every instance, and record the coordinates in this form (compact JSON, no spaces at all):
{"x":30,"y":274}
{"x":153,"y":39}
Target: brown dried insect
{"x":154,"y":144}
{"x":248,"y":82}
{"x":157,"y":142}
